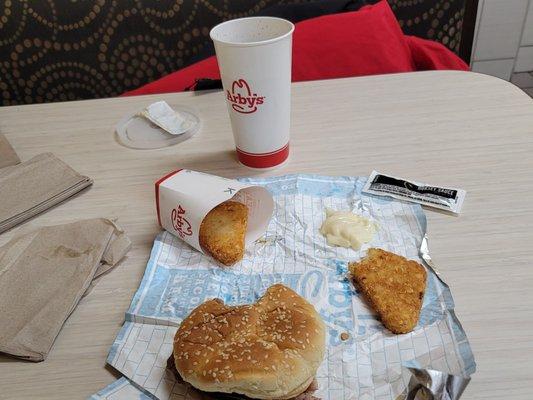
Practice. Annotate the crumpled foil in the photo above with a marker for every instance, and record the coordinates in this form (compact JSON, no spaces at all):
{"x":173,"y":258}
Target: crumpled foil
{"x":424,"y":253}
{"x":427,"y":384}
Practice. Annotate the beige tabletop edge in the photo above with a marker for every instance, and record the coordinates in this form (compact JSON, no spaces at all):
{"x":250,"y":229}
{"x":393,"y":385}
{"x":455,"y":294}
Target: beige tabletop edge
{"x":448,"y":128}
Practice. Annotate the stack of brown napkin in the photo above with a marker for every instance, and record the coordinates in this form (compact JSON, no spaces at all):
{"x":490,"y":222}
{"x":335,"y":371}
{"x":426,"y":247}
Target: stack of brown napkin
{"x":7,"y":154}
{"x":43,"y":275}
{"x":31,"y":187}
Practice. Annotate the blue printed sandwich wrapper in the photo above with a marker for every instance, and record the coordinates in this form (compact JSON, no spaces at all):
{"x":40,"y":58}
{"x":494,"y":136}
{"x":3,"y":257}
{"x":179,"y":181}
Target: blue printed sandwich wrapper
{"x":371,"y":363}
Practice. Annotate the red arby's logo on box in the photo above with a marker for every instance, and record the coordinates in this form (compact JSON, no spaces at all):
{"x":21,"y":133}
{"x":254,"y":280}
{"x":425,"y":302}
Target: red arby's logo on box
{"x":242,"y":99}
{"x":180,"y":223}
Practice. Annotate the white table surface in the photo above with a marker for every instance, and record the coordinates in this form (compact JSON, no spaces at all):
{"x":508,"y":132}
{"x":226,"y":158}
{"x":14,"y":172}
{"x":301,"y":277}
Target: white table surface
{"x":448,"y":128}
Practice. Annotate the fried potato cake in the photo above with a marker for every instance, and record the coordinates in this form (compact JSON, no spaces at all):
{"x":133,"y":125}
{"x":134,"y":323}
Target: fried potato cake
{"x":393,"y":285}
{"x":222,"y":232}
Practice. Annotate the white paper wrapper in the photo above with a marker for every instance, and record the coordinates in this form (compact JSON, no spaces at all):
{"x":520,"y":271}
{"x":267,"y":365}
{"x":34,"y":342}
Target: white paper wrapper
{"x":161,"y":114}
{"x":184,"y":197}
{"x":372,"y":364}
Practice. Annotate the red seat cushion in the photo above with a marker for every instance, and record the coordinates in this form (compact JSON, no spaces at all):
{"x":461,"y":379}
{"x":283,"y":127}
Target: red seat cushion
{"x":364,"y":42}
{"x":429,"y":55}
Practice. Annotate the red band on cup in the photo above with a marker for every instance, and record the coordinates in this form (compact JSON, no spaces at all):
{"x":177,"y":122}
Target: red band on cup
{"x":263,"y":160}
{"x":159,"y":182}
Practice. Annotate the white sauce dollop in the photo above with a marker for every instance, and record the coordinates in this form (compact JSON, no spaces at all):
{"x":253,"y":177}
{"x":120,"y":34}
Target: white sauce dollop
{"x":346,"y":229}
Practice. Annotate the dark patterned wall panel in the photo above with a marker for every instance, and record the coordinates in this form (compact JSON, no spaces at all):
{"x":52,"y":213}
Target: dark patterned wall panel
{"x":58,"y":50}
{"x":439,"y":20}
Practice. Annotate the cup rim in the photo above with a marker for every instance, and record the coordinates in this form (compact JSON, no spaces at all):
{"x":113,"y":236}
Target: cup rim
{"x":289,"y":32}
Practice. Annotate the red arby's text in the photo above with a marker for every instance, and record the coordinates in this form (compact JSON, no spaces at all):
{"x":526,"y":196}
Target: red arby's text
{"x":180,"y":223}
{"x":242,"y":99}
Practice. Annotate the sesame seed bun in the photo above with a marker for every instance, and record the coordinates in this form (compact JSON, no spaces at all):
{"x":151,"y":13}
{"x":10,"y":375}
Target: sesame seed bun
{"x":267,"y":350}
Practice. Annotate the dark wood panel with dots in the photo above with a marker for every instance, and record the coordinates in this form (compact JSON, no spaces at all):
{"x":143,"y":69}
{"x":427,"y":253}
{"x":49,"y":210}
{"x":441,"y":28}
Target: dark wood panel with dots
{"x":59,"y":50}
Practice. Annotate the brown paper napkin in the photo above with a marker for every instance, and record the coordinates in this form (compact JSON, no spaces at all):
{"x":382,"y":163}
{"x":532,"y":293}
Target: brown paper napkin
{"x":43,"y":275}
{"x":33,"y":186}
{"x":7,"y":154}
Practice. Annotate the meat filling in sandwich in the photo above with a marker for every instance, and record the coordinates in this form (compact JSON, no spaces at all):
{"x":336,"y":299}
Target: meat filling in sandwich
{"x":307,"y":395}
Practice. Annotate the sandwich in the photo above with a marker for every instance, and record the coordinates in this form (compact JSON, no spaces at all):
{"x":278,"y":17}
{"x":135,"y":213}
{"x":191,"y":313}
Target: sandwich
{"x":222,"y":232}
{"x":267,"y":350}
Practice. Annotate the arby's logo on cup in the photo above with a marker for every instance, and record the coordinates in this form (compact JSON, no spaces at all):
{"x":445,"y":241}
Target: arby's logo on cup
{"x":180,"y":223}
{"x":242,"y":99}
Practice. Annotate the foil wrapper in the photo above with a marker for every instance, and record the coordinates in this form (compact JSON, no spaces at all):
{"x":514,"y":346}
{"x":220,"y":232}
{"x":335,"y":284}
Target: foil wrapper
{"x":424,"y":254}
{"x":427,"y":384}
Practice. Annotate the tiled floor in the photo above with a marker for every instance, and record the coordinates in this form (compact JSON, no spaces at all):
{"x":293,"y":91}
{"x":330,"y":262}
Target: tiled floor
{"x":524,"y":80}
{"x":529,"y":91}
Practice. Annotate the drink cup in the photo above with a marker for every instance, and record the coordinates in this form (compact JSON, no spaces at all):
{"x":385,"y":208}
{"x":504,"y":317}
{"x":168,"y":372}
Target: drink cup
{"x":254,"y":57}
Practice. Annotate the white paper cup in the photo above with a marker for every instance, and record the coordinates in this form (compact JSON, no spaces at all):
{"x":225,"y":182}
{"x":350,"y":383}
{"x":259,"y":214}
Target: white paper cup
{"x":254,"y":57}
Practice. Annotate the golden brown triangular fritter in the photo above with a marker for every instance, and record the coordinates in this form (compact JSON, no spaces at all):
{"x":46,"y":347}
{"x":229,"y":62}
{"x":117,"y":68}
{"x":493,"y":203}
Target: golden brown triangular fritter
{"x":222,"y":232}
{"x":393,"y":285}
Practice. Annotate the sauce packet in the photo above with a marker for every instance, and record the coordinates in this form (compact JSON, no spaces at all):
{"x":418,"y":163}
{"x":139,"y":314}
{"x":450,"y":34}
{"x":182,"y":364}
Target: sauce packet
{"x":442,"y":198}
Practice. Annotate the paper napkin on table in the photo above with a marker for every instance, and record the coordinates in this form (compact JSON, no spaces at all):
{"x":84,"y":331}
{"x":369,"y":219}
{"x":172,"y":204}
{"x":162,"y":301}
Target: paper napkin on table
{"x":43,"y":275}
{"x":8,"y":156}
{"x":33,"y":186}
